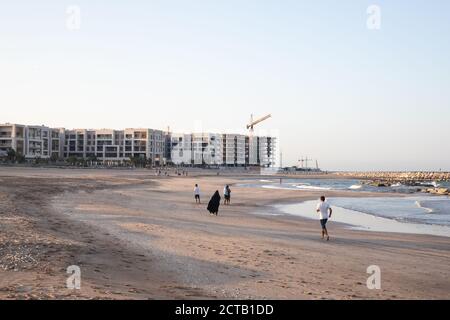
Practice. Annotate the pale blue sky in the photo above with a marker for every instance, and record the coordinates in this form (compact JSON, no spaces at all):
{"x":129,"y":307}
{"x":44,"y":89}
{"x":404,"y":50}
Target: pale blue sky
{"x":352,"y":97}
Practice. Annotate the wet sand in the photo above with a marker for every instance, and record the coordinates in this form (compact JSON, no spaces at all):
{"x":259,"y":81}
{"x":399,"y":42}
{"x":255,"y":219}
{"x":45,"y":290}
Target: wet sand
{"x":137,"y":236}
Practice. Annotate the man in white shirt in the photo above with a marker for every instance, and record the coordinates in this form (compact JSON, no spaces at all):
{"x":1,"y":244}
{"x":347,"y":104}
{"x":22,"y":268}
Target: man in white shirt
{"x":197,"y":194}
{"x":325,"y":211}
{"x":226,"y":194}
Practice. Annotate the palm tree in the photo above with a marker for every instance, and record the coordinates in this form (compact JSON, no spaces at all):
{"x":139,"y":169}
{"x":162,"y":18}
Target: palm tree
{"x":72,"y":160}
{"x":12,"y":155}
{"x":20,"y":158}
{"x":54,"y":157}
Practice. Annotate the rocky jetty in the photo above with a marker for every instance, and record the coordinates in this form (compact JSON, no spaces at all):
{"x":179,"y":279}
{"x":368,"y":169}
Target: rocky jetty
{"x":401,"y":177}
{"x":427,"y":182}
{"x":438,"y":191}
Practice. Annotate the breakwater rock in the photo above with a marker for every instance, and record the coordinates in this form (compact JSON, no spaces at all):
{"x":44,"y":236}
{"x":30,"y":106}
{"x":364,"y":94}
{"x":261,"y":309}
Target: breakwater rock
{"x":428,"y":182}
{"x":395,"y":177}
{"x":438,"y":191}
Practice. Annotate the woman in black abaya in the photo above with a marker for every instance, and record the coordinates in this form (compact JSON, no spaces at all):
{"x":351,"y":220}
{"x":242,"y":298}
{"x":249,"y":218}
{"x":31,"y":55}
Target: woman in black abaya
{"x":214,"y":203}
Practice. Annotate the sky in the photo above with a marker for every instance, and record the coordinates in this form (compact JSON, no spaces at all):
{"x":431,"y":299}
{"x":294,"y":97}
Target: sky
{"x":340,"y":91}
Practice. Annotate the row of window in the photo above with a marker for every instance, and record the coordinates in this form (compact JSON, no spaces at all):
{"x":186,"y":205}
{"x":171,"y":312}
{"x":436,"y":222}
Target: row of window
{"x":110,"y":136}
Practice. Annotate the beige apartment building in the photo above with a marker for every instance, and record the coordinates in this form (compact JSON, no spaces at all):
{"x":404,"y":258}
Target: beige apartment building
{"x":115,"y":145}
{"x":30,"y":141}
{"x":154,"y":146}
{"x":103,"y":144}
{"x":12,"y":136}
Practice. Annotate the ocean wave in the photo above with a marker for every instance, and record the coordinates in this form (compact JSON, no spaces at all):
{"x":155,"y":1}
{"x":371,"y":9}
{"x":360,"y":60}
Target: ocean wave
{"x":432,"y":183}
{"x":355,"y":186}
{"x":271,"y":186}
{"x":439,"y":207}
{"x":294,"y":187}
{"x":305,"y":187}
{"x":428,"y":210}
{"x":383,"y":214}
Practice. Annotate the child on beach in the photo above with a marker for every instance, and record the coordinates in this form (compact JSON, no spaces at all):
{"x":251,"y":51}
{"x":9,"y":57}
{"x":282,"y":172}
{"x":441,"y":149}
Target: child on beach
{"x":323,"y":208}
{"x":197,"y":193}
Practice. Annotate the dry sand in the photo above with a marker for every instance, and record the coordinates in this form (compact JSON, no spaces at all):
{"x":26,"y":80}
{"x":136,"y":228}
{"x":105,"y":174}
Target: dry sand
{"x":137,"y":236}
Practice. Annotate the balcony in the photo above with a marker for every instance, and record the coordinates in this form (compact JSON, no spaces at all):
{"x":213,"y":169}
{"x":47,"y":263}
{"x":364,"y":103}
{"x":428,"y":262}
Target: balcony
{"x":5,"y":145}
{"x":5,"y":134}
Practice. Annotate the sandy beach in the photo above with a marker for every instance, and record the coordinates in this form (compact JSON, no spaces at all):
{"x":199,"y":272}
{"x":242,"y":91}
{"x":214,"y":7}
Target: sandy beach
{"x":138,"y":236}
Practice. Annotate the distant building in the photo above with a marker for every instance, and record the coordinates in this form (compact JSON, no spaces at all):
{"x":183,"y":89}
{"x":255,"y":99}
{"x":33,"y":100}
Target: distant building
{"x":12,"y":136}
{"x":267,"y":151}
{"x":222,"y":150}
{"x":115,"y":145}
{"x":30,"y":141}
{"x":181,"y":149}
{"x":154,"y":146}
{"x":234,"y":149}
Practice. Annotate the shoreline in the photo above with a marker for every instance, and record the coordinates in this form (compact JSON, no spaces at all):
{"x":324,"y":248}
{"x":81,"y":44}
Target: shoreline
{"x":363,"y":221}
{"x":138,"y":236}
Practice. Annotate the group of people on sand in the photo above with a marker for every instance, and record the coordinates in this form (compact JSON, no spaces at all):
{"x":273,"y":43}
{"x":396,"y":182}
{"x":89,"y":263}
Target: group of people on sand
{"x":323,"y":207}
{"x":166,"y":173}
{"x":214,"y":202}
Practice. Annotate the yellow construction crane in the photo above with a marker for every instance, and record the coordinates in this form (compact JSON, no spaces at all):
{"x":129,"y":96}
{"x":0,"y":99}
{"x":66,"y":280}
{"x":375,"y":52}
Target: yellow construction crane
{"x":255,"y":122}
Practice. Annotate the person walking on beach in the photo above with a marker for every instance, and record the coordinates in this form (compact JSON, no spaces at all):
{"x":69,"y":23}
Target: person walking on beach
{"x":325,"y":211}
{"x":197,"y":193}
{"x":214,"y":203}
{"x":226,"y":195}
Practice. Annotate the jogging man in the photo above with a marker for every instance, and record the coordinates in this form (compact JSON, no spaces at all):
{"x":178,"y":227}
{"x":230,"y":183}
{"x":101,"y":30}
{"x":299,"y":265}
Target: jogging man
{"x":325,"y":211}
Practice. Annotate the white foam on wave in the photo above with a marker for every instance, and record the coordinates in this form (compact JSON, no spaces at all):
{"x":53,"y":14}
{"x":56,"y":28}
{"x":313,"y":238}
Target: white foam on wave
{"x":290,"y":187}
{"x":355,"y":186}
{"x":435,"y":184}
{"x":432,"y":183}
{"x":428,"y":210}
{"x":273,"y":187}
{"x":303,"y":187}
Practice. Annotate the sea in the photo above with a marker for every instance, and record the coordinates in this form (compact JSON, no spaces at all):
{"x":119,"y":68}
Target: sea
{"x":409,"y":207}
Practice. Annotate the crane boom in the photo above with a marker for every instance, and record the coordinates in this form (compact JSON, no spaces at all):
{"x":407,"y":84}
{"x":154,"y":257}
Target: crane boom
{"x":253,"y":123}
